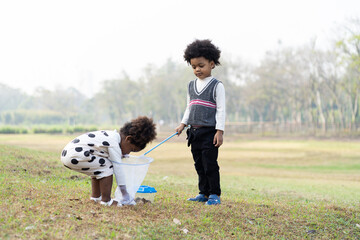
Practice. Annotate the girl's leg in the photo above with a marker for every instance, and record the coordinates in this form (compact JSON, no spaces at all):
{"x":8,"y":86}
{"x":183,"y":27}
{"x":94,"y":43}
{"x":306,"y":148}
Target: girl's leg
{"x":105,"y":188}
{"x":95,"y":188}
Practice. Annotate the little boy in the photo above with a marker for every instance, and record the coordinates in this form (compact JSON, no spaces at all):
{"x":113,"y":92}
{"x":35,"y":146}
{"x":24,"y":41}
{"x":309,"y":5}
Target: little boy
{"x":205,"y":113}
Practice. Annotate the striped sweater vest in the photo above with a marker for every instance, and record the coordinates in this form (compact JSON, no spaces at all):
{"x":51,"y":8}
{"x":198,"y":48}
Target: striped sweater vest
{"x":202,"y":104}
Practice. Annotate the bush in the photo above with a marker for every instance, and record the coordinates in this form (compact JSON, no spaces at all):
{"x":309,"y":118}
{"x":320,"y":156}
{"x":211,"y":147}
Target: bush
{"x":23,"y":131}
{"x":69,"y":130}
{"x":81,"y":129}
{"x":47,"y":129}
{"x":39,"y":130}
{"x":13,"y":130}
{"x":8,"y":130}
{"x":53,"y":130}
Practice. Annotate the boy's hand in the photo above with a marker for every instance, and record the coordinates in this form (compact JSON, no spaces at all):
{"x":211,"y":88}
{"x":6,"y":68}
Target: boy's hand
{"x":180,"y":128}
{"x":218,"y":138}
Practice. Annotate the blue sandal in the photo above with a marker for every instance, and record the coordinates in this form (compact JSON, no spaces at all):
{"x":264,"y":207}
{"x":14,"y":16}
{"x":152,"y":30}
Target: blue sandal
{"x":213,"y":200}
{"x":198,"y":198}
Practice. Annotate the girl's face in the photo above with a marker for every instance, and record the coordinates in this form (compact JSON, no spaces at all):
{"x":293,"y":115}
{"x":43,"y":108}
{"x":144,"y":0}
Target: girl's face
{"x":127,"y":147}
{"x":202,"y":67}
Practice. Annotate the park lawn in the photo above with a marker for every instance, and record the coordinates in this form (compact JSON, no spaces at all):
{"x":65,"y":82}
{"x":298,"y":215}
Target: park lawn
{"x":272,"y":189}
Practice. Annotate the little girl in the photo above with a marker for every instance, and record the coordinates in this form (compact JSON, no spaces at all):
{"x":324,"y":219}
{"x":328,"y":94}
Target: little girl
{"x":92,"y":154}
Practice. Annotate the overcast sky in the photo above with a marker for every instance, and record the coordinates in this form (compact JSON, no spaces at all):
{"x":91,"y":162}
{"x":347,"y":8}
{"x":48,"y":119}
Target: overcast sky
{"x":81,"y":42}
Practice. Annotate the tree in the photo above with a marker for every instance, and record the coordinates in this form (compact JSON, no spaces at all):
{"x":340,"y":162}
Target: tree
{"x":68,"y":101}
{"x":10,"y":98}
{"x":120,"y":99}
{"x":349,"y":51}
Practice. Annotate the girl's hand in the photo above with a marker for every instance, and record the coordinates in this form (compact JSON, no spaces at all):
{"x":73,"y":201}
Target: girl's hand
{"x":126,"y":198}
{"x":218,"y":138}
{"x":179,"y":129}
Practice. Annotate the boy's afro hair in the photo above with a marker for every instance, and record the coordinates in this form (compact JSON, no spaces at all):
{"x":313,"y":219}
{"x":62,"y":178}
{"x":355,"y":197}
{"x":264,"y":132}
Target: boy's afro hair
{"x":202,"y":48}
{"x":142,"y":130}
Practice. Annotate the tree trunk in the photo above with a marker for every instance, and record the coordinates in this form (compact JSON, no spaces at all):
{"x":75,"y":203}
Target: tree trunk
{"x":354,"y":111}
{"x":321,"y":113}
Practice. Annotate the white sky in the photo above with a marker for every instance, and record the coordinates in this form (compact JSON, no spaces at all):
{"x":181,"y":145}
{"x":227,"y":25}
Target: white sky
{"x":54,"y":43}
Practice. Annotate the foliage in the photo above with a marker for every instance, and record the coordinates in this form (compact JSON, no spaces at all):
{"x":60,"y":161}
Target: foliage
{"x":10,"y":98}
{"x":47,"y":129}
{"x":51,"y":130}
{"x":24,"y":116}
{"x":307,"y":86}
{"x":13,"y":130}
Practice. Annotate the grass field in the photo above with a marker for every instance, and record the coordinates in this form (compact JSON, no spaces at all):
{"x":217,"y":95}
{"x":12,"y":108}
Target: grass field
{"x":272,"y":189}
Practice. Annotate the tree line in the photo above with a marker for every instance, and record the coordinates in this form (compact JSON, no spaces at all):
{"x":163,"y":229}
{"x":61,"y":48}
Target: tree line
{"x":306,"y":86}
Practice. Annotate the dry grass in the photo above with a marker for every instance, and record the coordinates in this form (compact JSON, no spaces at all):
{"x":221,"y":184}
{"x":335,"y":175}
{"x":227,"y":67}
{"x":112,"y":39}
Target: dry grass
{"x":271,"y":190}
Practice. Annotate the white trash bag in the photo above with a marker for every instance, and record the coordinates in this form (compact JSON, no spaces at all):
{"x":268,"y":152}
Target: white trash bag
{"x":133,"y":170}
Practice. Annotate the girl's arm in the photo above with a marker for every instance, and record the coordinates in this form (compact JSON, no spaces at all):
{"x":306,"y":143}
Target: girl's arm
{"x":115,"y":156}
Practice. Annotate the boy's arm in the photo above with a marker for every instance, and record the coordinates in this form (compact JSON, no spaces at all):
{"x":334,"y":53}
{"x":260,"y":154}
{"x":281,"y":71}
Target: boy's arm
{"x":220,"y":115}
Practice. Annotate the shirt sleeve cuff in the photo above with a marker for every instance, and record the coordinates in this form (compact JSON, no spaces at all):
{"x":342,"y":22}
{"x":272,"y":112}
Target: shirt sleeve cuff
{"x":220,"y":127}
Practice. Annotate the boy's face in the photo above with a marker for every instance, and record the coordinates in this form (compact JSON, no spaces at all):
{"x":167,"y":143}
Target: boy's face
{"x":202,"y":67}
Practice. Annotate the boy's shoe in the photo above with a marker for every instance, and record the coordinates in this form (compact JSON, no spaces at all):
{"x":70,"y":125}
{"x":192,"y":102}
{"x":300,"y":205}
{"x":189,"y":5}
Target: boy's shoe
{"x":198,"y":198}
{"x":213,"y":200}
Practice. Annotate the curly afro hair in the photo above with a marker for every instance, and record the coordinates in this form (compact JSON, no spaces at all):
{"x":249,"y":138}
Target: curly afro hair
{"x":142,"y":130}
{"x":202,"y":48}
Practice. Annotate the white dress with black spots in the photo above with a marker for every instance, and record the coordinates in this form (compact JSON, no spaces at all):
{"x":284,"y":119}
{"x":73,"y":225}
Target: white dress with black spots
{"x":91,"y":153}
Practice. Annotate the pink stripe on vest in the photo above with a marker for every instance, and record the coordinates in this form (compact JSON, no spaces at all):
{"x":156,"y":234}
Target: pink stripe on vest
{"x":202,"y":102}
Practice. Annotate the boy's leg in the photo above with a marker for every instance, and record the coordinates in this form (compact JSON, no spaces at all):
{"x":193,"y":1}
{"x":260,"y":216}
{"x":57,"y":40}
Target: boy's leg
{"x":210,"y":156}
{"x":195,"y":142}
{"x":212,"y":168}
{"x":105,"y":188}
{"x":209,"y":161}
{"x":203,"y":183}
{"x":95,"y":188}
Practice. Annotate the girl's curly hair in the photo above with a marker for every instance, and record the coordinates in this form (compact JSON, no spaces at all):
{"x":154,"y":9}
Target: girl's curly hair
{"x":202,"y":48}
{"x":142,"y":130}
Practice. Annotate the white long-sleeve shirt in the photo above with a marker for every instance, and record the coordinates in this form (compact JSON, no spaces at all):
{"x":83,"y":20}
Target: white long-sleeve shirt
{"x":115,"y":155}
{"x":220,"y":103}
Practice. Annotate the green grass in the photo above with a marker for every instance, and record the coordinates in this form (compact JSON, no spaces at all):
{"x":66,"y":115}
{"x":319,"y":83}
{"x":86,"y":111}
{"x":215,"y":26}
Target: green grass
{"x":272,"y":189}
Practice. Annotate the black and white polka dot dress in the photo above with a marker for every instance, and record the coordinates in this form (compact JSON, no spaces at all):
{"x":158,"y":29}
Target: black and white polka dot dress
{"x":90,"y":153}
